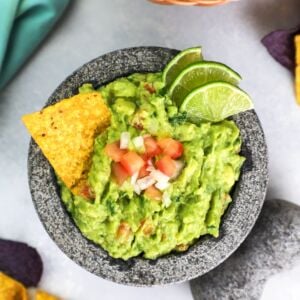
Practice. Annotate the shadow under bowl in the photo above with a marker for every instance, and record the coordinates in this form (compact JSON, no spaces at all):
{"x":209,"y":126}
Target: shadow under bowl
{"x":208,"y":252}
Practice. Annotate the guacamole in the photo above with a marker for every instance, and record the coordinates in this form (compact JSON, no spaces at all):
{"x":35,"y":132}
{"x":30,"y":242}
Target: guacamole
{"x":127,"y":223}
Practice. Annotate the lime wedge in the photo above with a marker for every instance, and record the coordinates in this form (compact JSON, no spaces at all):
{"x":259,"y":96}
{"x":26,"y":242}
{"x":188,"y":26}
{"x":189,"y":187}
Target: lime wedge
{"x":198,"y":74}
{"x":179,"y":62}
{"x":215,"y":102}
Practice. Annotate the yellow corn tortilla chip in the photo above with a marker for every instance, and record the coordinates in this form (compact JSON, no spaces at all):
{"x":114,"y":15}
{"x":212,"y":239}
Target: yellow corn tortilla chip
{"x":41,"y":295}
{"x":66,"y":131}
{"x":11,"y":289}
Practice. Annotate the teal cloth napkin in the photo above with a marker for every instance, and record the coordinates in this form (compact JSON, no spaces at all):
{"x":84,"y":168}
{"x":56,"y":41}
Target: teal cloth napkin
{"x":23,"y":25}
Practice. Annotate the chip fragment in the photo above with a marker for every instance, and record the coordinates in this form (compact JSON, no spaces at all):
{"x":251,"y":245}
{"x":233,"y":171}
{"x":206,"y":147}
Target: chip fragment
{"x":42,"y":295}
{"x":66,"y":131}
{"x":37,"y":294}
{"x":11,"y":289}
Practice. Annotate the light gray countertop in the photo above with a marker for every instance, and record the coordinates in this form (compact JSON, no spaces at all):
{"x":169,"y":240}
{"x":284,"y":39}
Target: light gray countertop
{"x":230,"y":34}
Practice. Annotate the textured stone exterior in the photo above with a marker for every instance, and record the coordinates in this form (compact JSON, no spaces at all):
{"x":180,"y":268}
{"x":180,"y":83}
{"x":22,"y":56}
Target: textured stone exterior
{"x":208,"y":252}
{"x":272,"y":246}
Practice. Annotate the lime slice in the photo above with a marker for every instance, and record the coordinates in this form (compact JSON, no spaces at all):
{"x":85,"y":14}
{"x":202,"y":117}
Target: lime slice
{"x":199,"y":74}
{"x":179,"y":62}
{"x":215,"y":102}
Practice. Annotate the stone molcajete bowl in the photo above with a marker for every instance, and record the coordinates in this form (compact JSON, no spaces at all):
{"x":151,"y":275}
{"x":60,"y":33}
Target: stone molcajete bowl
{"x":205,"y":254}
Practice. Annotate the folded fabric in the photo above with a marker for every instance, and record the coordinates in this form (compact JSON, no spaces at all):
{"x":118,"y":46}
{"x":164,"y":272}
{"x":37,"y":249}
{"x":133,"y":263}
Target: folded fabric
{"x":23,"y":25}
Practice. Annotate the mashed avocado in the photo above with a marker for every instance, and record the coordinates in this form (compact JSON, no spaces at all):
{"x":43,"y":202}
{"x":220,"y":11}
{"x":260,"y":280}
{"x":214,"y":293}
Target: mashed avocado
{"x":127,"y":224}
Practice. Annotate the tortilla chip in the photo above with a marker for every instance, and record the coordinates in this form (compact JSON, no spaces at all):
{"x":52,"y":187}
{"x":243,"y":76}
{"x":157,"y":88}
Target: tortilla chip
{"x":66,"y":131}
{"x":21,"y":262}
{"x":11,"y":289}
{"x":41,"y":295}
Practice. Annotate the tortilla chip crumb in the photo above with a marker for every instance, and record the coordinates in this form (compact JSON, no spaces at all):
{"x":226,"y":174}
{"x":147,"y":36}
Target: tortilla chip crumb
{"x":297,"y":42}
{"x":41,"y":295}
{"x":66,"y":131}
{"x":11,"y":289}
{"x":297,"y":72}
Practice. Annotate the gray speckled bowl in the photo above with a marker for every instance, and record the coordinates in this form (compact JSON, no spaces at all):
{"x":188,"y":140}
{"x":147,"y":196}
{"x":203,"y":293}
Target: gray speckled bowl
{"x":208,"y":252}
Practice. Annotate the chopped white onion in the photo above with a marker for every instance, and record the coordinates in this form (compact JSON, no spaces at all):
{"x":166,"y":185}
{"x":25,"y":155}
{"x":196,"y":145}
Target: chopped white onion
{"x":134,"y":178}
{"x":145,"y":182}
{"x":149,"y":162}
{"x":159,"y":176}
{"x":162,"y":185}
{"x":166,"y":199}
{"x":137,"y":189}
{"x":124,"y":140}
{"x":150,"y":169}
{"x":138,"y":142}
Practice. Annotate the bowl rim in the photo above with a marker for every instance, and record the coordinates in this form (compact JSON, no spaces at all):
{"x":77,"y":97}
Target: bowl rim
{"x":171,"y":268}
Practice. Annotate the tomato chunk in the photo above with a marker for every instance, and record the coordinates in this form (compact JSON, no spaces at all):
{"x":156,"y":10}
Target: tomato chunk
{"x":119,"y":173}
{"x":150,"y":88}
{"x":143,"y":172}
{"x":132,"y":162}
{"x":87,"y":193}
{"x":167,"y":165}
{"x":145,"y":157}
{"x":151,"y":146}
{"x":153,"y":193}
{"x":124,"y":231}
{"x":114,"y":152}
{"x":171,"y":147}
{"x":147,"y":227}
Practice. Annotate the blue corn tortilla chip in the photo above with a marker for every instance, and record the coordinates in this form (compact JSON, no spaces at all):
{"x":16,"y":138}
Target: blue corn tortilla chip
{"x":21,"y":262}
{"x":280,"y":44}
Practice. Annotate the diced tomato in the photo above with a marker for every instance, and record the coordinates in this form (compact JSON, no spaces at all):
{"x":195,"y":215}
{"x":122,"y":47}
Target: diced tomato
{"x":145,"y":157}
{"x":124,"y":231}
{"x":143,"y":172}
{"x":171,"y":147}
{"x":149,"y":88}
{"x":119,"y":173}
{"x":153,"y":193}
{"x":132,"y":162}
{"x":114,"y":152}
{"x":167,"y":165}
{"x":151,"y":146}
{"x":147,"y":227}
{"x":87,"y":193}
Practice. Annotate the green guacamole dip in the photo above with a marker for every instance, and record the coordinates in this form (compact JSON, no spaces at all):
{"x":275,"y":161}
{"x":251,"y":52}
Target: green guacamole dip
{"x":199,"y":195}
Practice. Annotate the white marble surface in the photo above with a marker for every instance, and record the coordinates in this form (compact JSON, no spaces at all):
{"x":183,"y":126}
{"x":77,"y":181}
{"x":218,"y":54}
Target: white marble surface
{"x":230,"y":34}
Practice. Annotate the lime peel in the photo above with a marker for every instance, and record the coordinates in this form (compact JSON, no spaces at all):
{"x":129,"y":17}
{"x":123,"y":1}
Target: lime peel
{"x":215,"y":102}
{"x":199,"y":74}
{"x":179,"y":62}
